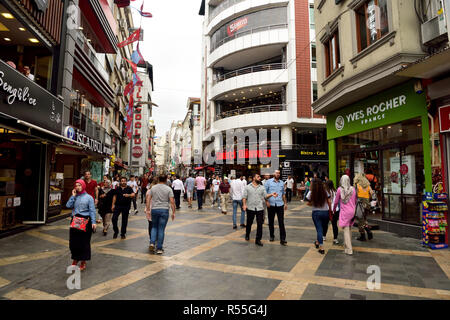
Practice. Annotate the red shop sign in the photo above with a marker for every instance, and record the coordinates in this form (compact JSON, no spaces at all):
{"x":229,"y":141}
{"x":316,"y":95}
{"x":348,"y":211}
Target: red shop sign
{"x":137,"y":152}
{"x":444,"y":119}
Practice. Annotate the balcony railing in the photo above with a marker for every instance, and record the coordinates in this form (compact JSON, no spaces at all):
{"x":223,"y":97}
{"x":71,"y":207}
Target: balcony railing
{"x":79,"y":121}
{"x":222,"y":6}
{"x":252,"y":69}
{"x":216,"y":45}
{"x":249,"y":110}
{"x":91,"y":53}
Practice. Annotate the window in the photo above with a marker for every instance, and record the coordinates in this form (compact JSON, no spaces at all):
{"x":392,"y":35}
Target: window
{"x":314,"y":87}
{"x":371,"y":22}
{"x":311,"y":17}
{"x":313,"y":56}
{"x":332,"y":55}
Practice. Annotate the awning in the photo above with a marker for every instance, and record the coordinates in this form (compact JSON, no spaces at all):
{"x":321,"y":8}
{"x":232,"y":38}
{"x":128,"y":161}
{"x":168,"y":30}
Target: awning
{"x":428,"y":67}
{"x":198,"y":168}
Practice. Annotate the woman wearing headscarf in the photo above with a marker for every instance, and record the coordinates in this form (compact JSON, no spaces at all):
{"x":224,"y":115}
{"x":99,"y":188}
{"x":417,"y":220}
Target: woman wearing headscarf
{"x":105,"y":196}
{"x":82,"y":224}
{"x":364,"y":192}
{"x":346,"y":201}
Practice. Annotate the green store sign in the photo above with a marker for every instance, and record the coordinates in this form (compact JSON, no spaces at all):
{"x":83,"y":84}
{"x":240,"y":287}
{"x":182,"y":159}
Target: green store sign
{"x":391,"y":106}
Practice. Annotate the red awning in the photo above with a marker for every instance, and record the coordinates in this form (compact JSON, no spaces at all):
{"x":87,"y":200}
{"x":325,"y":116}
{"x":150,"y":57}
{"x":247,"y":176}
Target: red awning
{"x":211,"y":169}
{"x":198,"y":168}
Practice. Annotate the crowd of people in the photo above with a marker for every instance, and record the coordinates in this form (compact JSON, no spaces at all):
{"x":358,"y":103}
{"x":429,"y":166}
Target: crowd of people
{"x":256,"y":197}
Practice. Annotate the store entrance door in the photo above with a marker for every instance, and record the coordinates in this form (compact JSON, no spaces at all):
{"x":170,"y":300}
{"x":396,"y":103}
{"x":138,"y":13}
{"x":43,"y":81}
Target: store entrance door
{"x":32,"y":176}
{"x":368,"y":163}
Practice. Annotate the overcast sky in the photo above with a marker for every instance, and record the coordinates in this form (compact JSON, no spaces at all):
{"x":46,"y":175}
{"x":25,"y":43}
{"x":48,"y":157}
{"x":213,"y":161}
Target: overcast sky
{"x":172,"y":44}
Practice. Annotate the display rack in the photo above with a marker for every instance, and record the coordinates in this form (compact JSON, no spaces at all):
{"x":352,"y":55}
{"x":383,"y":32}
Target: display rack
{"x":434,"y":220}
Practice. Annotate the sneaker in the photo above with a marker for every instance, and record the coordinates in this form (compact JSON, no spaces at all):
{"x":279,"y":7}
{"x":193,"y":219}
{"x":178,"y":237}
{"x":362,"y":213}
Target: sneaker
{"x":258,"y":243}
{"x":242,"y":225}
{"x":247,"y":238}
{"x":123,"y":237}
{"x":151,"y":248}
{"x":272,"y":239}
{"x":324,"y":239}
{"x":115,"y":235}
{"x":219,"y":208}
{"x":335,"y":241}
{"x":235,"y":227}
{"x":159,"y":251}
{"x":283,"y":243}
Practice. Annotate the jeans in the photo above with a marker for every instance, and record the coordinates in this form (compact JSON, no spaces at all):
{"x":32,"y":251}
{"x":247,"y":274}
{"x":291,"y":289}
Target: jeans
{"x":125,"y":211}
{"x":159,"y":222}
{"x":259,"y":223}
{"x":279,"y":211}
{"x":200,"y":198}
{"x":305,"y":194}
{"x":150,"y":226}
{"x":237,"y":203}
{"x":334,"y":223}
{"x":216,"y":198}
{"x":320,"y":219}
{"x":177,"y":194}
{"x":288,"y":194}
{"x":143,"y":194}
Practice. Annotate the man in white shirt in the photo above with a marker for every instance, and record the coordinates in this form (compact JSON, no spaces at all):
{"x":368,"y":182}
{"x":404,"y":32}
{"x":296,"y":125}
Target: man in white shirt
{"x":177,"y":186}
{"x":237,"y":191}
{"x":215,"y":186}
{"x":133,"y":185}
{"x":289,"y":186}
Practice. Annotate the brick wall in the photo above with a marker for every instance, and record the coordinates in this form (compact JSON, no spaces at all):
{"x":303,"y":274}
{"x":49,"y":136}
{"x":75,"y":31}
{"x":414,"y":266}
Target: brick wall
{"x":303,"y":59}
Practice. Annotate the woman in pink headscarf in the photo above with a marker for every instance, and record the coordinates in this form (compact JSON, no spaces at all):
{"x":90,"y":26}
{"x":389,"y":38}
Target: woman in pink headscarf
{"x":82,"y":224}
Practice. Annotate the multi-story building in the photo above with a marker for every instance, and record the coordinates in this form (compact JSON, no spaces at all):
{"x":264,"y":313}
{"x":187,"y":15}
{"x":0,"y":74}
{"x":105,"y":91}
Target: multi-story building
{"x":161,"y":151}
{"x":377,"y":119}
{"x":31,"y":110}
{"x":258,"y":71}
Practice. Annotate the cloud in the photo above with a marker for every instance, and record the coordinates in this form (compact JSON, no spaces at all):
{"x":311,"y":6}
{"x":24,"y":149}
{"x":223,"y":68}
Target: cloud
{"x":173,"y":45}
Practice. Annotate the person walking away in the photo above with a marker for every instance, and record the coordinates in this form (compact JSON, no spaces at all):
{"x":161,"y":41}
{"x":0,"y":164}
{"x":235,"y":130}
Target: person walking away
{"x":346,"y":201}
{"x":253,"y":199}
{"x":237,"y":192}
{"x":189,"y":187}
{"x":159,"y":199}
{"x":209,"y":189}
{"x":224,"y":189}
{"x":364,"y":193}
{"x":105,"y":198}
{"x":82,"y":224}
{"x":307,"y":186}
{"x":91,"y":189}
{"x":200,"y":184}
{"x":320,"y":201}
{"x":177,"y":186}
{"x":329,"y":187}
{"x":289,"y":183}
{"x":276,"y":206}
{"x":121,"y":205}
{"x":133,"y":185}
{"x":216,"y":192}
{"x":143,"y":185}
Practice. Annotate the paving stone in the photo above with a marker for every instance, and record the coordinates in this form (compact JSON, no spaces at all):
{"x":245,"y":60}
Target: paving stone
{"x":278,"y":258}
{"x":186,"y":283}
{"x":22,"y":244}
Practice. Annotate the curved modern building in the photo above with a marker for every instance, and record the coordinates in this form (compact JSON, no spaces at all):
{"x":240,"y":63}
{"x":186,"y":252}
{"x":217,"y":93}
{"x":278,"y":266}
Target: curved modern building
{"x":259,"y":72}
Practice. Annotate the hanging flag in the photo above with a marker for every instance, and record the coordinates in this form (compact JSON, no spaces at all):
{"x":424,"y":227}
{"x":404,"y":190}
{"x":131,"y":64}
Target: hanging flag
{"x":128,"y":88}
{"x":133,"y":65}
{"x":136,"y":80}
{"x":137,"y":57}
{"x":144,"y":14}
{"x":132,"y":38}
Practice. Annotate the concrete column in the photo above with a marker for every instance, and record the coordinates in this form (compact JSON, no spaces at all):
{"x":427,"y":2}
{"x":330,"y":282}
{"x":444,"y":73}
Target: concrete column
{"x":286,"y":136}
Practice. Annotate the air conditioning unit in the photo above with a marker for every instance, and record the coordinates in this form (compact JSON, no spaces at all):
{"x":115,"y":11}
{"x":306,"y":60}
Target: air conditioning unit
{"x":434,"y":30}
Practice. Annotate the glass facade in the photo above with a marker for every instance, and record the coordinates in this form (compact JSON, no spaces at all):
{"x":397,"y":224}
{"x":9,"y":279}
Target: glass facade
{"x":251,"y":21}
{"x":394,"y":155}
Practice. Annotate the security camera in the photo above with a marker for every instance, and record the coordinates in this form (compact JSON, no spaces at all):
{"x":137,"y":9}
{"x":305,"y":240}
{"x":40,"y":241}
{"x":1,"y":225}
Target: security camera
{"x":418,"y":87}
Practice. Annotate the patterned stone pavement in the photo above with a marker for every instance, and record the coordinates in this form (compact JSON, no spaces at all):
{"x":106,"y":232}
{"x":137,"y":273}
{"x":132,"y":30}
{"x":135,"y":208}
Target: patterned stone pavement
{"x":205,"y":258}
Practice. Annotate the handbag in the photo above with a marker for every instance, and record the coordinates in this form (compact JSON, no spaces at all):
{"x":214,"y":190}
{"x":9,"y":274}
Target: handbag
{"x":79,"y":223}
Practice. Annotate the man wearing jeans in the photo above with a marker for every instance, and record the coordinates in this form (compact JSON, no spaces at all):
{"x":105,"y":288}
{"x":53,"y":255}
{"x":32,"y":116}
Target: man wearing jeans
{"x":253,"y":198}
{"x":276,"y":206}
{"x":159,"y":199}
{"x":237,"y":191}
{"x":121,"y":206}
{"x":200,"y":184}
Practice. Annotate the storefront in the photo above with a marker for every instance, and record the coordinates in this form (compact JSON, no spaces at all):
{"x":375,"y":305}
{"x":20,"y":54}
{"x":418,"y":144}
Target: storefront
{"x":30,"y":128}
{"x":386,"y":135}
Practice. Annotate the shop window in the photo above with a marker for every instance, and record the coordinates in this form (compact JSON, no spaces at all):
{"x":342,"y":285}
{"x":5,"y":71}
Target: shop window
{"x":332,"y":54}
{"x":371,"y":22}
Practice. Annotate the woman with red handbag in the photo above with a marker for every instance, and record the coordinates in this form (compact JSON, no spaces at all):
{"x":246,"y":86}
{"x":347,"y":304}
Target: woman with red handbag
{"x":81,"y":226}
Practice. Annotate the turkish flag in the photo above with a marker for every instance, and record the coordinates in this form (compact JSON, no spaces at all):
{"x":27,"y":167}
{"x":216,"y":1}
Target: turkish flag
{"x":132,"y":38}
